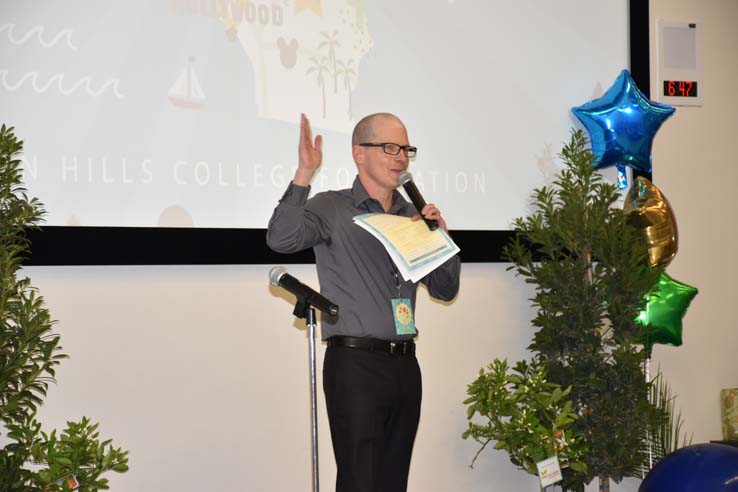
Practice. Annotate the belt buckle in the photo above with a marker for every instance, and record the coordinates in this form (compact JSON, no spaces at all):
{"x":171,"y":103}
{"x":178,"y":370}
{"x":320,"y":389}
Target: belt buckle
{"x":400,"y":348}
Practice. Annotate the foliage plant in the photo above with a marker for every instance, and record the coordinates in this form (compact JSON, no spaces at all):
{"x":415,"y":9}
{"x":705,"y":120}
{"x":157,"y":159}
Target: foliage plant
{"x":666,"y":436}
{"x":31,"y":459}
{"x":591,"y":275}
{"x":528,"y":416}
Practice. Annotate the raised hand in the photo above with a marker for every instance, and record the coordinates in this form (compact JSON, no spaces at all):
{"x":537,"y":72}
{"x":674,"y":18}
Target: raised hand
{"x":310,"y":153}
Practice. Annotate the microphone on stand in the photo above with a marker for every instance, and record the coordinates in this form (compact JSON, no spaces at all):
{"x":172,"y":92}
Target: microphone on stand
{"x":406,"y":180}
{"x":278,"y":276}
{"x":307,"y":302}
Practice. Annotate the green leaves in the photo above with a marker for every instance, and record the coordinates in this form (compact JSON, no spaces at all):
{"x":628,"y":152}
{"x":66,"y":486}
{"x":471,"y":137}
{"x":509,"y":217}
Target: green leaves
{"x":77,"y":452}
{"x":524,"y":414}
{"x":666,"y":435}
{"x":32,"y":460}
{"x":590,"y":272}
{"x":28,"y":349}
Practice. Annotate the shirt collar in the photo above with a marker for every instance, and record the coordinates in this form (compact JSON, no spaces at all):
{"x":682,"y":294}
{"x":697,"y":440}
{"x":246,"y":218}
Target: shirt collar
{"x":361,"y":195}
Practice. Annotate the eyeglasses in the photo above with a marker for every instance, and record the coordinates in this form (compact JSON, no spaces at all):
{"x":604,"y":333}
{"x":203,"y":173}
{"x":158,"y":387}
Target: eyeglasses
{"x":393,"y":148}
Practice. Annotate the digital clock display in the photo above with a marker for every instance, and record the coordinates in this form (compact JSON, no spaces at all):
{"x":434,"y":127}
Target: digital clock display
{"x":680,"y":88}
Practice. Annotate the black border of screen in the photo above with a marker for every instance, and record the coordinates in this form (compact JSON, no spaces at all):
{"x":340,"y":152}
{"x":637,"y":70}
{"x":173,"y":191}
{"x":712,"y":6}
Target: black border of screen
{"x":62,"y":245}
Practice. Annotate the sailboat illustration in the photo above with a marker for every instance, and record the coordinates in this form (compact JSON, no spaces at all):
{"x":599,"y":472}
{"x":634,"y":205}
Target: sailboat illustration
{"x":186,"y":91}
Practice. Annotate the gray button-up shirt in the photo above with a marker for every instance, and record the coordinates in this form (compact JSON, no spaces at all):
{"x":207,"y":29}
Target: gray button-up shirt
{"x":354,"y":270}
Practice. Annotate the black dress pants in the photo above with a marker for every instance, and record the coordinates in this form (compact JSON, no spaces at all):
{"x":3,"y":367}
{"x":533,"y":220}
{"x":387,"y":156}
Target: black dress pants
{"x":373,"y":403}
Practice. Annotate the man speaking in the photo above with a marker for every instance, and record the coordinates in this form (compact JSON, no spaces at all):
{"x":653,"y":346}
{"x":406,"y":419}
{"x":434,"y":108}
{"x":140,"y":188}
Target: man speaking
{"x":371,"y":377}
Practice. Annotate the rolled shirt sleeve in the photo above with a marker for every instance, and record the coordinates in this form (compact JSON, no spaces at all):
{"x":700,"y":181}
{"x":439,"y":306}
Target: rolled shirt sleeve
{"x":443,"y":282}
{"x":294,"y":226}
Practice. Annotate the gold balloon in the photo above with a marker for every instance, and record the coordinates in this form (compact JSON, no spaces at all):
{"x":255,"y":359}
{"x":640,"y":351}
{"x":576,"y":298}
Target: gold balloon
{"x":649,"y":211}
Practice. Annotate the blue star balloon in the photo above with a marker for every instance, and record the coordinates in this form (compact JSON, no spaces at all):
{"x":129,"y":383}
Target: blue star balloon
{"x":621,"y":125}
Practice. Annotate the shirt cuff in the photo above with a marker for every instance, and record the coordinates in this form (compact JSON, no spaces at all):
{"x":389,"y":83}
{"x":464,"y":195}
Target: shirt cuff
{"x":295,"y":194}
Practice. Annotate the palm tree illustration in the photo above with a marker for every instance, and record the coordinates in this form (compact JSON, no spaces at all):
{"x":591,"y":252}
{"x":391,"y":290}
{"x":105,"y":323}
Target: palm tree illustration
{"x":348,"y":72}
{"x":319,"y":67}
{"x":331,"y":42}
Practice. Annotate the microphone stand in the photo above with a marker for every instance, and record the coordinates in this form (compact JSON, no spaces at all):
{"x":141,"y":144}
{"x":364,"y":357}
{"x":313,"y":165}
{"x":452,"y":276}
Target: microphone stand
{"x":304,"y":310}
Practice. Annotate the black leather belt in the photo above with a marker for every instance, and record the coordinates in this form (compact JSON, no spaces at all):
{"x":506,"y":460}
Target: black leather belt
{"x":398,"y":347}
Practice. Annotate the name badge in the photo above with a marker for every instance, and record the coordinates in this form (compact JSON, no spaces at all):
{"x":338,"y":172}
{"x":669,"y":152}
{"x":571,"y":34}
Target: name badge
{"x":403,"y":313}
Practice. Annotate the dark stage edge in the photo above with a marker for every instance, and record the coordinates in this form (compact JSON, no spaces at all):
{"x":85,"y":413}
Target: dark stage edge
{"x":57,"y":246}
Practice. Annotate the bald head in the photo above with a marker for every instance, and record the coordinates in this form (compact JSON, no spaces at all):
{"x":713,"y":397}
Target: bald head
{"x":365,"y":129}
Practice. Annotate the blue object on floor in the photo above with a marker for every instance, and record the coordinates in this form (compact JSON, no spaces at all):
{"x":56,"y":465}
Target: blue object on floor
{"x":697,"y":468}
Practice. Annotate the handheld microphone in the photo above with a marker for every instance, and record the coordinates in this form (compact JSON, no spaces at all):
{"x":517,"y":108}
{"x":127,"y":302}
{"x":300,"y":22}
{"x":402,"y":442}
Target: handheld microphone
{"x":278,"y":276}
{"x":406,"y":180}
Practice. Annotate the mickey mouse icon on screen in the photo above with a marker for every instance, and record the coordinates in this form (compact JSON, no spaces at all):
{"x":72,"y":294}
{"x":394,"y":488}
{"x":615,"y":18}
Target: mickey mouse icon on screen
{"x":287,"y":52}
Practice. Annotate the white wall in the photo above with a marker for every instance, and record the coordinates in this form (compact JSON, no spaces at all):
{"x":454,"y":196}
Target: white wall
{"x":695,"y":166}
{"x":205,"y":366}
{"x":202,"y":373}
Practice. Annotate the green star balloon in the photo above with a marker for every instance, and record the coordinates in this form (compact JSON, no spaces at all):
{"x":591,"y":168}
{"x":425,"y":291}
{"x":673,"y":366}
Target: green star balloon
{"x":662,"y":318}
